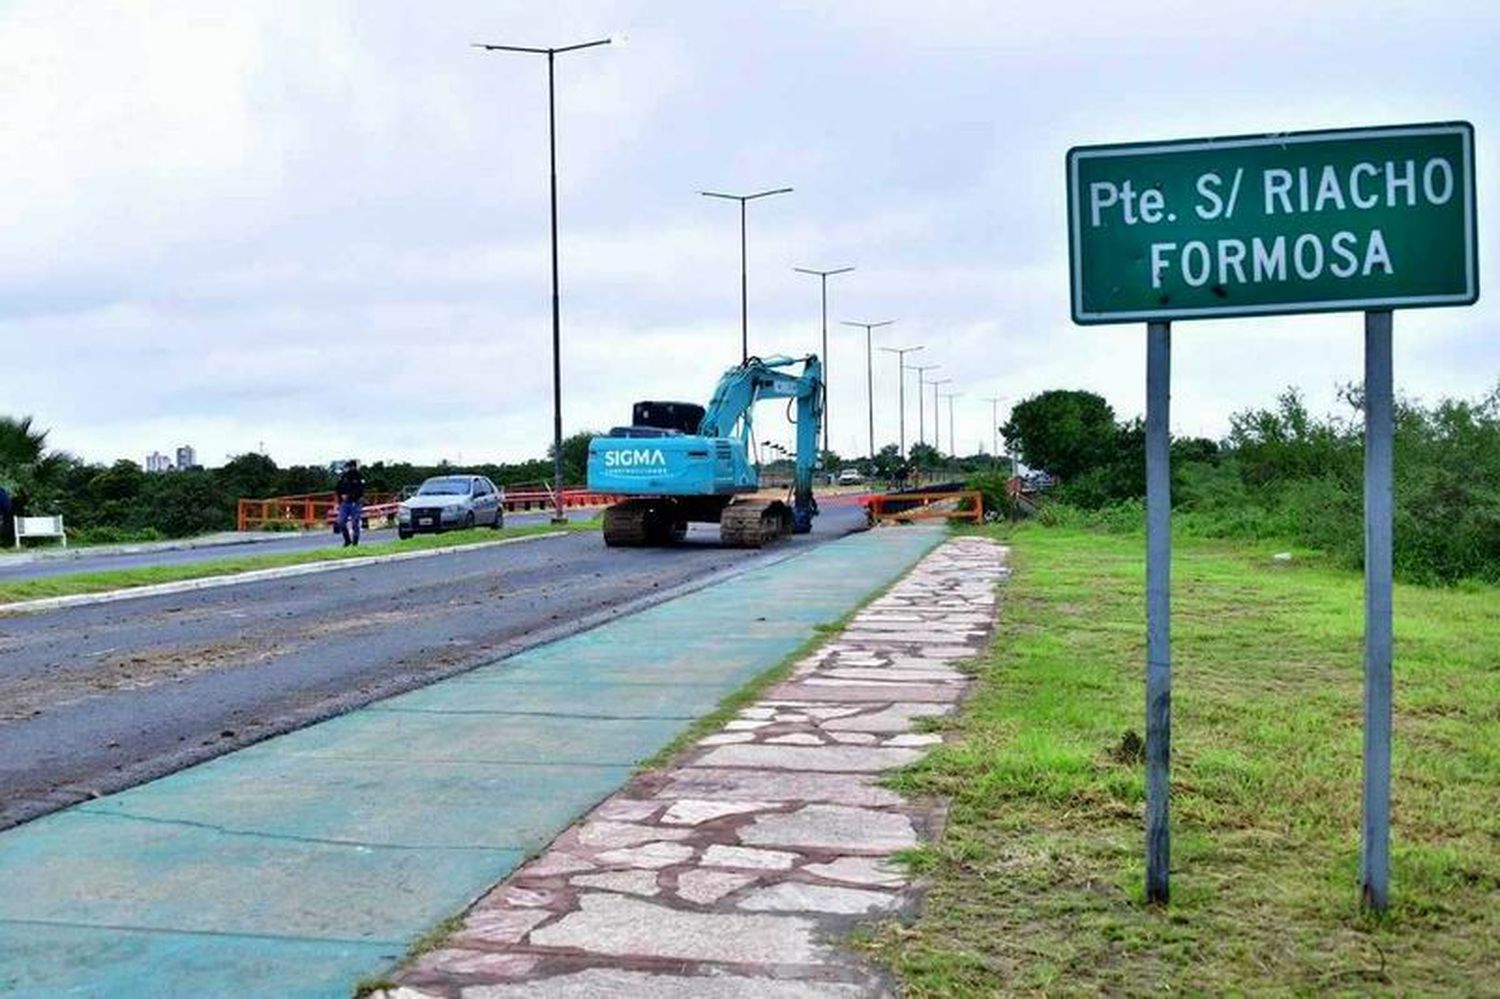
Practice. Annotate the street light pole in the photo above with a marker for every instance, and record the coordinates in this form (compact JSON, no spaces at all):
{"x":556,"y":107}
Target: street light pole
{"x":995,"y":401}
{"x":952,"y":447}
{"x":870,"y":372}
{"x":901,"y":353}
{"x":824,"y":276}
{"x":921,"y":403}
{"x":558,"y":517}
{"x":743,"y":199}
{"x":937,"y":430}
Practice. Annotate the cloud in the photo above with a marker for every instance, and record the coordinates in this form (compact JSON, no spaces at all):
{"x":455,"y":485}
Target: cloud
{"x":324,"y":227}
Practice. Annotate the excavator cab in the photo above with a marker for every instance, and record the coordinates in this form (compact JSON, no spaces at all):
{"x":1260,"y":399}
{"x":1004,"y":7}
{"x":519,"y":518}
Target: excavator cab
{"x":677,"y":417}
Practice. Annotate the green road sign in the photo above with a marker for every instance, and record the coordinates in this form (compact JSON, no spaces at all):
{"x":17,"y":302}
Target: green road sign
{"x":1375,"y":218}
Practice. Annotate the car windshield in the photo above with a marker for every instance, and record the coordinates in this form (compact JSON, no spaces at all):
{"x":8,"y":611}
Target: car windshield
{"x":444,"y":487}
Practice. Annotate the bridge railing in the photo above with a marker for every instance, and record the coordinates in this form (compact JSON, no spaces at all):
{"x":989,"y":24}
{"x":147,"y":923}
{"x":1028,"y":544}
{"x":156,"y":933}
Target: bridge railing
{"x":523,"y":498}
{"x":307,"y":511}
{"x":908,"y":507}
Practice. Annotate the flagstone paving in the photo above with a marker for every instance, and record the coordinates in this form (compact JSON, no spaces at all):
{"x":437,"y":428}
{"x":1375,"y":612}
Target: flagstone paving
{"x":739,"y":872}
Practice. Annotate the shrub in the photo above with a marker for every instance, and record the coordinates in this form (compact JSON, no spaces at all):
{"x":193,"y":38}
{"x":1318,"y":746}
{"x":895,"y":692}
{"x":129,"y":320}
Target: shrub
{"x":1284,"y":475}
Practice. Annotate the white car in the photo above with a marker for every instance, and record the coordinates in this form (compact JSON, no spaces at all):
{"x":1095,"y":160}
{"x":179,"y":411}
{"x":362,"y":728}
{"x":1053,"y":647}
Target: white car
{"x":851,"y":477}
{"x":451,"y":502}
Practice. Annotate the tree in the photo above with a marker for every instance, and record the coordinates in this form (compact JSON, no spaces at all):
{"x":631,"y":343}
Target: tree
{"x":21,"y":443}
{"x":925,"y":456}
{"x":1200,"y":449}
{"x":301,"y":479}
{"x":1119,"y":475}
{"x":1063,"y":432}
{"x":113,"y":495}
{"x":1288,"y":443}
{"x":249,"y":476}
{"x":575,"y":456}
{"x":33,"y":475}
{"x":185,"y":503}
{"x":887,"y":461}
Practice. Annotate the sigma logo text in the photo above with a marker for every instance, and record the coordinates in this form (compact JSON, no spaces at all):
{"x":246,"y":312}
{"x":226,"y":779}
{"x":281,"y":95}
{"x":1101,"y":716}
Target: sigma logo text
{"x":634,"y":457}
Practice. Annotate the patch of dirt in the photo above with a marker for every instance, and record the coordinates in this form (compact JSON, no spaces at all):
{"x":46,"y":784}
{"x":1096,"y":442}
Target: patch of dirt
{"x":373,"y":619}
{"x":1131,"y":750}
{"x":29,"y":696}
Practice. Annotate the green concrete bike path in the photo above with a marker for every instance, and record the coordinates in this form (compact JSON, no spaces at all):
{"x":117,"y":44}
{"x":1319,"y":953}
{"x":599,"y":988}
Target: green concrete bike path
{"x":297,"y":866}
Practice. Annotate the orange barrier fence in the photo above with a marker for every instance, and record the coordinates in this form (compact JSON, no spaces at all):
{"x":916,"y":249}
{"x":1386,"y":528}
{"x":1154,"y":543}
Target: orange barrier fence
{"x":310,"y":510}
{"x":904,"y":508}
{"x":518,"y":500}
{"x":306,"y":511}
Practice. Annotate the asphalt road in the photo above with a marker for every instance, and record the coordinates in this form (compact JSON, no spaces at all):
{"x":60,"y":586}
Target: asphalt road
{"x":85,"y":560}
{"x":97,"y":698}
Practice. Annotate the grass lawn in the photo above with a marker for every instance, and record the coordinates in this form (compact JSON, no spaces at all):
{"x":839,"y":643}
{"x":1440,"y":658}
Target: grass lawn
{"x":1038,"y":879}
{"x":121,"y":579}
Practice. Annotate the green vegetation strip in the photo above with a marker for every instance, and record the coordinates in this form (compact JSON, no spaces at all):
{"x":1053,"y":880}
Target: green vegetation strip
{"x":124,"y":579}
{"x":1037,"y":881}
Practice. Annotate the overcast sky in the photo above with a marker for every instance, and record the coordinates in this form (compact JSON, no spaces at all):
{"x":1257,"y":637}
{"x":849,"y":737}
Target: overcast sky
{"x":321,"y":227}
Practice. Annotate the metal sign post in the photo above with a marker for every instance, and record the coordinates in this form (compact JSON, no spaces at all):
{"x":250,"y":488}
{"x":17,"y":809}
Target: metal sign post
{"x":1367,"y":219}
{"x":1380,"y":429}
{"x":1158,"y":610}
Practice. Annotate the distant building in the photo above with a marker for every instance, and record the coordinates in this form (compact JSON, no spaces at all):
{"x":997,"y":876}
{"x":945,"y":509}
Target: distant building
{"x":187,"y":457}
{"x":158,"y":462}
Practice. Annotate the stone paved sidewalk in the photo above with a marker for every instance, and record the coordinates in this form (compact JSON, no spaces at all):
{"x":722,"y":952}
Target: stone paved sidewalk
{"x":739,"y":872}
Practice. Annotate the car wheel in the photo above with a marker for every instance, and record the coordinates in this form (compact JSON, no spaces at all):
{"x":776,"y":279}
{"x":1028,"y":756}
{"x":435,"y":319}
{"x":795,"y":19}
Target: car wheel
{"x":403,"y":534}
{"x":499,"y":520}
{"x":469,"y":520}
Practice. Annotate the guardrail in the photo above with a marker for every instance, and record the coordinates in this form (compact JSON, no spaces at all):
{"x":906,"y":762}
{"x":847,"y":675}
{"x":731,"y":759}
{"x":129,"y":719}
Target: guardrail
{"x":904,"y":508}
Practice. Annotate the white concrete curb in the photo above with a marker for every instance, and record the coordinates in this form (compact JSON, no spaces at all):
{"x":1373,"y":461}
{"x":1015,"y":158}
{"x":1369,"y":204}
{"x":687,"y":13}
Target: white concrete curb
{"x":253,"y":576}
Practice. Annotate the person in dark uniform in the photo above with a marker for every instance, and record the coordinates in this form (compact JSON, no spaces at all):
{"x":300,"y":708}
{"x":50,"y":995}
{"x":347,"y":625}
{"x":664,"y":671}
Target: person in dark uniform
{"x":5,"y":535}
{"x":350,"y":493}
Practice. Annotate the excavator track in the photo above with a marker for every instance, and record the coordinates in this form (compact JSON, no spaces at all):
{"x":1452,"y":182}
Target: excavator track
{"x":642,"y":524}
{"x":753,"y":524}
{"x":627,"y":525}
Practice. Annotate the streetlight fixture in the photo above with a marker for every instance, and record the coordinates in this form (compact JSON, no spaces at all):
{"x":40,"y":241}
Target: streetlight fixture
{"x":824,"y":276}
{"x":744,"y":279}
{"x":870,"y":372}
{"x":558,"y":517}
{"x":952,"y":447}
{"x":921,"y":403}
{"x":937,"y":430}
{"x":901,"y":353}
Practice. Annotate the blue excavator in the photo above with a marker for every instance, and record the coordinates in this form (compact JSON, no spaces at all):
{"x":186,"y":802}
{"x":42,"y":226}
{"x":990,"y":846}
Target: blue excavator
{"x":682,"y":463}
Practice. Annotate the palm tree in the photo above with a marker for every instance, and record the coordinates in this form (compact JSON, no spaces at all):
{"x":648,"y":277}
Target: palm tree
{"x":27,"y":469}
{"x":20,"y":442}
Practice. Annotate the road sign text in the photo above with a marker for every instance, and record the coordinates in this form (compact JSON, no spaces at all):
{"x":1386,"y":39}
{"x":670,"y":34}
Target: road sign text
{"x":1302,"y":222}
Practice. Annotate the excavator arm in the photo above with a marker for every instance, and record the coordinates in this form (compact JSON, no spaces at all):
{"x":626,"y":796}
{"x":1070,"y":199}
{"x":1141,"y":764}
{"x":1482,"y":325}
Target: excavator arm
{"x":730,"y":414}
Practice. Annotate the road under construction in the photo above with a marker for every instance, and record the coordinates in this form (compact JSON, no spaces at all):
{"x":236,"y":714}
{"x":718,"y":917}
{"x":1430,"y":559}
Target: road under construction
{"x":100,"y":697}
